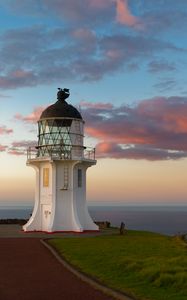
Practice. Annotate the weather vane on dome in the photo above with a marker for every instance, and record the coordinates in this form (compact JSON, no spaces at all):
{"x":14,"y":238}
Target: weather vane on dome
{"x":62,"y":94}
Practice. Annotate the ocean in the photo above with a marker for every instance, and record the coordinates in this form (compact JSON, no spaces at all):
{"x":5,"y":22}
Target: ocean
{"x":169,"y":220}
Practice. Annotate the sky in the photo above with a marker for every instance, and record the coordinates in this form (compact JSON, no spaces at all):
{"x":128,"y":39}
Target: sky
{"x":125,"y":63}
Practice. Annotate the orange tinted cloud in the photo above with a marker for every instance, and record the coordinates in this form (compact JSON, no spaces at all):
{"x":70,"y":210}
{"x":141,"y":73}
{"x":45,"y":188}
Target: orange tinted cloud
{"x":5,"y":130}
{"x":2,"y":148}
{"x":20,"y":147}
{"x":153,"y":129}
{"x":83,"y":33}
{"x":124,"y":16}
{"x":113,"y":150}
{"x":16,"y":152}
{"x":32,"y":117}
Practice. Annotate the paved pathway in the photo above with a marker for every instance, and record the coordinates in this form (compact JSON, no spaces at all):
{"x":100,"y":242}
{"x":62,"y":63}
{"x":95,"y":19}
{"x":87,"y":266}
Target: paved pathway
{"x":28,"y":271}
{"x":12,"y":230}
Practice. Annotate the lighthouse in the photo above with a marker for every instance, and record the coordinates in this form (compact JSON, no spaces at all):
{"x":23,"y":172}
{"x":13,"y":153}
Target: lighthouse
{"x":60,"y":161}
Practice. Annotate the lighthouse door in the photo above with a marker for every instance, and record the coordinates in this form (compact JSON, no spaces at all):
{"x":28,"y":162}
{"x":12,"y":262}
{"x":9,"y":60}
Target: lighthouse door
{"x":46,"y":216}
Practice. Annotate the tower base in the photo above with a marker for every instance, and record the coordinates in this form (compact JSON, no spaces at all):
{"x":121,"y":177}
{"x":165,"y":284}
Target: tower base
{"x":60,"y":197}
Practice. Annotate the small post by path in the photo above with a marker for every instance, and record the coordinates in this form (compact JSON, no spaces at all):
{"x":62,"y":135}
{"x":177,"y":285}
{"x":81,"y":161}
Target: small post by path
{"x":122,"y":228}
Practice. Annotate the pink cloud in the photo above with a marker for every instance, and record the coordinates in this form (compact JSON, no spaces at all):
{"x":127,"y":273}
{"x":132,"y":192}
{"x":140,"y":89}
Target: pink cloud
{"x":87,"y":12}
{"x":124,"y":16}
{"x":156,"y":126}
{"x":172,"y":114}
{"x":32,"y":117}
{"x":107,"y":149}
{"x":49,"y":54}
{"x":17,"y":78}
{"x":20,"y":73}
{"x":20,"y":147}
{"x":83,"y":33}
{"x":81,"y":11}
{"x":16,"y":152}
{"x":114,"y":54}
{"x":24,"y":144}
{"x":2,"y":148}
{"x":86,"y":104}
{"x":5,"y":130}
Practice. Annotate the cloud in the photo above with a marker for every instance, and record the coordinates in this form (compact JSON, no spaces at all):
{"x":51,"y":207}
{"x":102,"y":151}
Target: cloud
{"x":158,"y":66}
{"x":166,"y":15}
{"x":86,"y":104}
{"x":165,"y":84}
{"x":136,"y":152}
{"x":71,"y":11}
{"x":97,"y":11}
{"x":124,"y":16}
{"x":32,"y":117}
{"x":49,"y":55}
{"x":24,"y":144}
{"x":4,"y":96}
{"x":5,"y":130}
{"x":3,"y":148}
{"x":153,"y":129}
{"x":18,"y":78}
{"x":116,"y":53}
{"x":20,"y":147}
{"x":16,"y":152}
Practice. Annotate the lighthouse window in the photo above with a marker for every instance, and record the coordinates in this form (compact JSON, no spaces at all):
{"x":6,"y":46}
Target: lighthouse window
{"x":79,"y":178}
{"x":45,"y":177}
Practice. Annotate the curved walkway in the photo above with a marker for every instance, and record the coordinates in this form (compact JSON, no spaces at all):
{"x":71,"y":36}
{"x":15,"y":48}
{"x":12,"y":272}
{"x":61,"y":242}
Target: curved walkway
{"x":30,"y":272}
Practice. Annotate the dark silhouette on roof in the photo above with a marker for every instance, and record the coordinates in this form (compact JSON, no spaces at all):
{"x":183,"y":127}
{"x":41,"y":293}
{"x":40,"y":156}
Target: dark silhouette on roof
{"x":63,"y":94}
{"x":61,"y":109}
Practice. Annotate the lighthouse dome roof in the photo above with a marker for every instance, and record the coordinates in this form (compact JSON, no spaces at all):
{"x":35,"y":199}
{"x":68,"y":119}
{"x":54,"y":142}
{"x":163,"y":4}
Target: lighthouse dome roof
{"x":61,"y":109}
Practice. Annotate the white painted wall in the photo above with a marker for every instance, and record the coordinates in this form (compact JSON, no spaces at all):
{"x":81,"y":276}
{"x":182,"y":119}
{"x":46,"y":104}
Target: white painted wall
{"x":80,"y":198}
{"x":58,"y":207}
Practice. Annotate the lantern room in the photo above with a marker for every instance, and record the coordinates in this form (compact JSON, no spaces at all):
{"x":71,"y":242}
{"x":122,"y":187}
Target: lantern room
{"x":60,"y":130}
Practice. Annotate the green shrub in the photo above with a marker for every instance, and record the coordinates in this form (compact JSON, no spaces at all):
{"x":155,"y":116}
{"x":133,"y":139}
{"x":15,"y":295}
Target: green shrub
{"x":165,"y":280}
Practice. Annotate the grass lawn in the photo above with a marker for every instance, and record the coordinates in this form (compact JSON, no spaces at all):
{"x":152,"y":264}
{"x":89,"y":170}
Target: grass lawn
{"x":143,"y":264}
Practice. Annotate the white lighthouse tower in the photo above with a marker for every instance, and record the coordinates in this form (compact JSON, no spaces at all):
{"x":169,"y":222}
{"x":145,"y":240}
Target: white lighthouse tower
{"x":60,"y":161}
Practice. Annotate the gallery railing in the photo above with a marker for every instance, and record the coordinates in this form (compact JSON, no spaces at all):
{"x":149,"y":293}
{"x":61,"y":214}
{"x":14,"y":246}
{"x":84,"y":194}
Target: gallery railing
{"x":60,"y":152}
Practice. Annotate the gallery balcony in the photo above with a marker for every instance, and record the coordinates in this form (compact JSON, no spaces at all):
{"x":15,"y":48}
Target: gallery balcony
{"x":59,"y":152}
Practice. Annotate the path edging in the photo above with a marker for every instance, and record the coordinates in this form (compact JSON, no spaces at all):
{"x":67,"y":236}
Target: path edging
{"x":83,"y":277}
